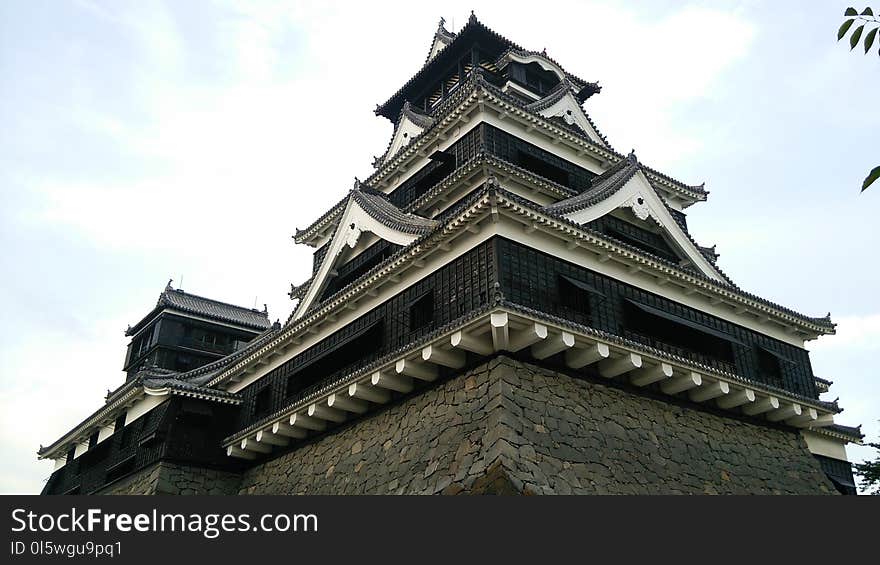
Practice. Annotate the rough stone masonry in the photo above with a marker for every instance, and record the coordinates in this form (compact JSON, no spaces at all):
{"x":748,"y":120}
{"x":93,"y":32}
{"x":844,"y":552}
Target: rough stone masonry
{"x":507,"y":427}
{"x":511,"y":428}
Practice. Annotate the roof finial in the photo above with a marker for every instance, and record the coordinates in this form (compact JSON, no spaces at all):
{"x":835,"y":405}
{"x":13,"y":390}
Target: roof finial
{"x":265,"y":309}
{"x":442,"y":23}
{"x":357,"y":184}
{"x":632,"y":157}
{"x":168,"y":286}
{"x":472,"y":19}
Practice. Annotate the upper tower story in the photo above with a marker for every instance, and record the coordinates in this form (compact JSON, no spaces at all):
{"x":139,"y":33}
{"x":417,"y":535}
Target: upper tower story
{"x":527,"y":75}
{"x":185,"y":331}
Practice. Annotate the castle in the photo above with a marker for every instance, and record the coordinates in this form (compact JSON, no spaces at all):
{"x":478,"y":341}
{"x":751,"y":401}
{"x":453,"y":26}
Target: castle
{"x":506,"y":305}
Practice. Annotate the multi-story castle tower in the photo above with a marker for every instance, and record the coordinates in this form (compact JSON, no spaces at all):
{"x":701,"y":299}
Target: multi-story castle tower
{"x":507,"y":304}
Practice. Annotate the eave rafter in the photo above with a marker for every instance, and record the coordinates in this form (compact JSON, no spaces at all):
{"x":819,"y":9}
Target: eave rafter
{"x":509,"y":328}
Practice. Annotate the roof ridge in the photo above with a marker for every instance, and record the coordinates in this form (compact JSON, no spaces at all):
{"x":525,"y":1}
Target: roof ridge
{"x":263,"y":312}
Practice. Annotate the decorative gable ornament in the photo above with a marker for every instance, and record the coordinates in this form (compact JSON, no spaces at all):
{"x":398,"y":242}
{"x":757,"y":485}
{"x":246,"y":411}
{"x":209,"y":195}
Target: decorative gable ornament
{"x":638,"y":203}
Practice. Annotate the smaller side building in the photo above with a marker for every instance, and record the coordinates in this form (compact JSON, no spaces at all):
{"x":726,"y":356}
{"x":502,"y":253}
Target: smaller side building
{"x":185,"y":331}
{"x":157,"y":417}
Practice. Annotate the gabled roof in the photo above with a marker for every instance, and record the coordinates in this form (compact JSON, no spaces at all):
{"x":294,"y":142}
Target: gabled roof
{"x":583,"y":88}
{"x":495,"y":46}
{"x":470,"y":33}
{"x":601,"y":187}
{"x":365,"y":210}
{"x":176,"y":299}
{"x":463,"y":97}
{"x":411,"y":122}
{"x":643,"y":199}
{"x":442,"y":38}
{"x":562,"y":103}
{"x":558,"y":93}
{"x":377,"y":205}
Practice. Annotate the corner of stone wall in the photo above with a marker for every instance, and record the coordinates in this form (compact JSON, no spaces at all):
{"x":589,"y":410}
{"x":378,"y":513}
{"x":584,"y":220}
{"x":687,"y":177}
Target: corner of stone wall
{"x":166,"y":478}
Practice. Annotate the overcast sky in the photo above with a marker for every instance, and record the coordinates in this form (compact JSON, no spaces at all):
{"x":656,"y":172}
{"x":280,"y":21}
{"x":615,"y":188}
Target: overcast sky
{"x":142,"y":141}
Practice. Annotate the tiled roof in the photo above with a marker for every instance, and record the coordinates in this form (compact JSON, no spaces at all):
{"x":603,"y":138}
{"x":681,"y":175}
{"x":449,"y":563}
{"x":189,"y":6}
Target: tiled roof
{"x":189,"y":388}
{"x":199,"y":305}
{"x":389,"y":107}
{"x":302,"y":235}
{"x":854,"y":432}
{"x":584,"y":89}
{"x":555,"y":95}
{"x":698,"y":190}
{"x":411,"y":113}
{"x":601,"y":187}
{"x":298,"y":291}
{"x":382,"y":210}
{"x":475,"y":82}
{"x":609,"y":182}
{"x":378,"y":207}
{"x":824,"y":382}
{"x":444,"y":35}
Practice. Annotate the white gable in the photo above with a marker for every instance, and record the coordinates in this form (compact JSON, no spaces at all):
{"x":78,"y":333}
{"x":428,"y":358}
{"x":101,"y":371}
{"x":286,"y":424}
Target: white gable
{"x":437,"y":46}
{"x":403,"y":135}
{"x":640,"y":197}
{"x":354,"y":222}
{"x":571,"y":112}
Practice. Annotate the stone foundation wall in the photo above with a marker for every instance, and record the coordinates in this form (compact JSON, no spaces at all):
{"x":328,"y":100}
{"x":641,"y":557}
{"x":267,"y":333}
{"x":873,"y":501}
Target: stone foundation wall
{"x":172,"y":478}
{"x":507,"y":428}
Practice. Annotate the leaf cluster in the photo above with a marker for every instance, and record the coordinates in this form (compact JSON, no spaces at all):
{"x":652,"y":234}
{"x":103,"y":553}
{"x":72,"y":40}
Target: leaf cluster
{"x":869,"y":471}
{"x":865,"y":19}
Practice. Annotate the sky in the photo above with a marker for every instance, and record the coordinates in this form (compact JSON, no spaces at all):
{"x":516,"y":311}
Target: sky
{"x":142,"y":141}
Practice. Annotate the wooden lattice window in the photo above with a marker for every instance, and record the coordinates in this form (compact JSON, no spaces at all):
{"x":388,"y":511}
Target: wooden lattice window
{"x":262,"y":402}
{"x":421,"y":311}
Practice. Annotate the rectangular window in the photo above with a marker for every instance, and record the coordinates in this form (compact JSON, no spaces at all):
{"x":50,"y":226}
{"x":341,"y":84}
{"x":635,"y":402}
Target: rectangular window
{"x":769,"y":367}
{"x":574,"y":298}
{"x":263,"y":402}
{"x":421,"y":311}
{"x":678,"y":335}
{"x":337,"y":359}
{"x":125,"y":439}
{"x":542,"y":168}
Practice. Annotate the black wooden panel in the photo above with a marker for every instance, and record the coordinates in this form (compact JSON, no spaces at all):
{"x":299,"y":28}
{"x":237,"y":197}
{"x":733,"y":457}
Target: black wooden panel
{"x":460,"y":287}
{"x":531,"y":278}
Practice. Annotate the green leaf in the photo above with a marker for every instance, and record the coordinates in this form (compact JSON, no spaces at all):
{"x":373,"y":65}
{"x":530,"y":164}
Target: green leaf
{"x":869,"y":39}
{"x":867,"y":11}
{"x":872,"y":176}
{"x":854,"y":38}
{"x":844,"y":28}
{"x":850,"y":12}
